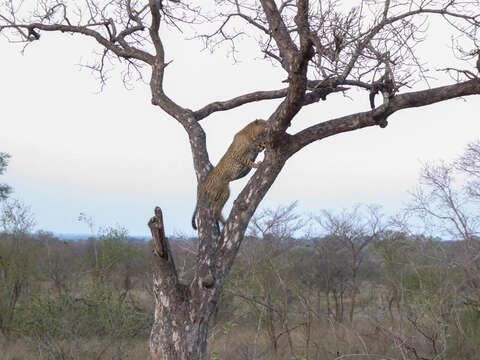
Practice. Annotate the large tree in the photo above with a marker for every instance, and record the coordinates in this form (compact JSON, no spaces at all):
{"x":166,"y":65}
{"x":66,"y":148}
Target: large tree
{"x":322,"y":46}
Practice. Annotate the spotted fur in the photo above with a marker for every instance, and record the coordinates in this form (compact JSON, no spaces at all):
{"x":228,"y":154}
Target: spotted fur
{"x":234,"y":164}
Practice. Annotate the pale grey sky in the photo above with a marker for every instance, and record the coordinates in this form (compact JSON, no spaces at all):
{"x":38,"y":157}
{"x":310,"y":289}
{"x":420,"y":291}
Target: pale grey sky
{"x":114,"y":156}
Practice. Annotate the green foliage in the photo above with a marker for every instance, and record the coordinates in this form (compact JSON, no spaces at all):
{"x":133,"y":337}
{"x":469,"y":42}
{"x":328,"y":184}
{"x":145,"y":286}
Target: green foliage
{"x":424,"y":280}
{"x":115,"y":250}
{"x":19,"y":273}
{"x":3,"y":161}
{"x":214,"y":355}
{"x":47,"y":295}
{"x":470,"y":320}
{"x":97,"y":315}
{"x":16,"y":217}
{"x":4,"y":188}
{"x":73,"y":295}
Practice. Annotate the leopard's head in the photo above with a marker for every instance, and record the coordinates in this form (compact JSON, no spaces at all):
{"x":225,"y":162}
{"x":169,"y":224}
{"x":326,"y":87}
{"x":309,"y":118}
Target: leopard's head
{"x":257,"y":128}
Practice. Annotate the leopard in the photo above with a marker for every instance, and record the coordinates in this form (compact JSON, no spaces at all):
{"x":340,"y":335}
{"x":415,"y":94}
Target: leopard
{"x":255,"y":149}
{"x":236,"y":163}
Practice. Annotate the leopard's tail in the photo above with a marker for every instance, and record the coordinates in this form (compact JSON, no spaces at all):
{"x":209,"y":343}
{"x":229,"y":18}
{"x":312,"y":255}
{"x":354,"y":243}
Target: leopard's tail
{"x":194,"y":225}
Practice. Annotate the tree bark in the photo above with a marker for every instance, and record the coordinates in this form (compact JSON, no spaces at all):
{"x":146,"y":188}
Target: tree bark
{"x":181,"y":325}
{"x":182,"y":311}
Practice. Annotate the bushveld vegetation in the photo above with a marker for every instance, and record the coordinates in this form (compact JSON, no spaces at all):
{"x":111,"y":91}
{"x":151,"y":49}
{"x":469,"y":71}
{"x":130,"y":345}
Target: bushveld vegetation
{"x":320,"y":50}
{"x":338,"y":285}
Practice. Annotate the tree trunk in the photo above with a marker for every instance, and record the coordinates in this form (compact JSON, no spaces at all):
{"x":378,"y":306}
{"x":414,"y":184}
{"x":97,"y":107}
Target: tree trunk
{"x":271,"y":332}
{"x":176,"y":337}
{"x":353,"y":300}
{"x":182,"y":312}
{"x":308,"y":331}
{"x":327,"y":297}
{"x":338,"y":306}
{"x":342,"y":307}
{"x":390,"y":310}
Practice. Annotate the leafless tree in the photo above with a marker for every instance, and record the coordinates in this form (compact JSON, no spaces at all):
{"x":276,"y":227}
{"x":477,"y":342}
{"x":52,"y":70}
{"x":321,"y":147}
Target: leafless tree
{"x":469,"y":164}
{"x":392,"y":247}
{"x":347,"y":236}
{"x":333,"y":275}
{"x":269,"y":266}
{"x":447,"y":201}
{"x":56,"y":265}
{"x":324,"y":48}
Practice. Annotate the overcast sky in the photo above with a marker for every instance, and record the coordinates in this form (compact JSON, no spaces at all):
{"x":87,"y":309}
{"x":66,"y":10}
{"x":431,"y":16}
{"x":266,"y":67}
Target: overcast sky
{"x":114,"y":156}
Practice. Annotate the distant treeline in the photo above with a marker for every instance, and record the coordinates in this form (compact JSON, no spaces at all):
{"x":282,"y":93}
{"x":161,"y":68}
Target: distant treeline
{"x":356,"y":285}
{"x":362,"y":287}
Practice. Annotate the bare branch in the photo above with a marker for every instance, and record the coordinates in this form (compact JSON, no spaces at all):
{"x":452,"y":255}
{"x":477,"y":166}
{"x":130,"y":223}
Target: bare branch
{"x":380,"y":114}
{"x":279,"y":31}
